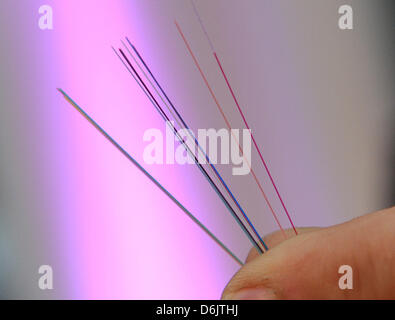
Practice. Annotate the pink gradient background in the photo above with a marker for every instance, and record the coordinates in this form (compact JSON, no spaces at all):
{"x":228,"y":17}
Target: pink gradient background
{"x":123,"y":237}
{"x":71,"y":200}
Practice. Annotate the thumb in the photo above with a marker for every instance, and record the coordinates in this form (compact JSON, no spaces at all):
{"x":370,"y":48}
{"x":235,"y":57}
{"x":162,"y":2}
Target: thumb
{"x":307,"y":266}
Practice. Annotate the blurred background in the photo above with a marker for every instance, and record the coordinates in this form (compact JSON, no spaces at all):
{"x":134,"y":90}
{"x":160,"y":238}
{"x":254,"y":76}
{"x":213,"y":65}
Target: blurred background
{"x":320,"y":102}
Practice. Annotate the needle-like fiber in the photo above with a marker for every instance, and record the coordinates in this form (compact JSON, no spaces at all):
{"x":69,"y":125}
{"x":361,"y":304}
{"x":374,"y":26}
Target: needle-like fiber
{"x":204,"y":172}
{"x":149,"y":176}
{"x":179,"y":118}
{"x":228,"y":124}
{"x":243,"y":117}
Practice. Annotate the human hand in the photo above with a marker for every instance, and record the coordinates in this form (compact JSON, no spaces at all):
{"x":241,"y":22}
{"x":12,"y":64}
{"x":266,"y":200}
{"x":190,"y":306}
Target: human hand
{"x":306,"y":266}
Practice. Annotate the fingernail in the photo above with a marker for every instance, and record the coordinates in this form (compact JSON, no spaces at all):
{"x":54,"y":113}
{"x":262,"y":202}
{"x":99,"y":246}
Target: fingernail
{"x":252,"y":294}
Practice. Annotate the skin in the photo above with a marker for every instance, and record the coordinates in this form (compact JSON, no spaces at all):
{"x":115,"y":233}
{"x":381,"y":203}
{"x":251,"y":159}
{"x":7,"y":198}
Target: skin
{"x":306,"y":266}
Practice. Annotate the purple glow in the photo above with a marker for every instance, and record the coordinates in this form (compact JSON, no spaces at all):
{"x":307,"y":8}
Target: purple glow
{"x":123,"y":238}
